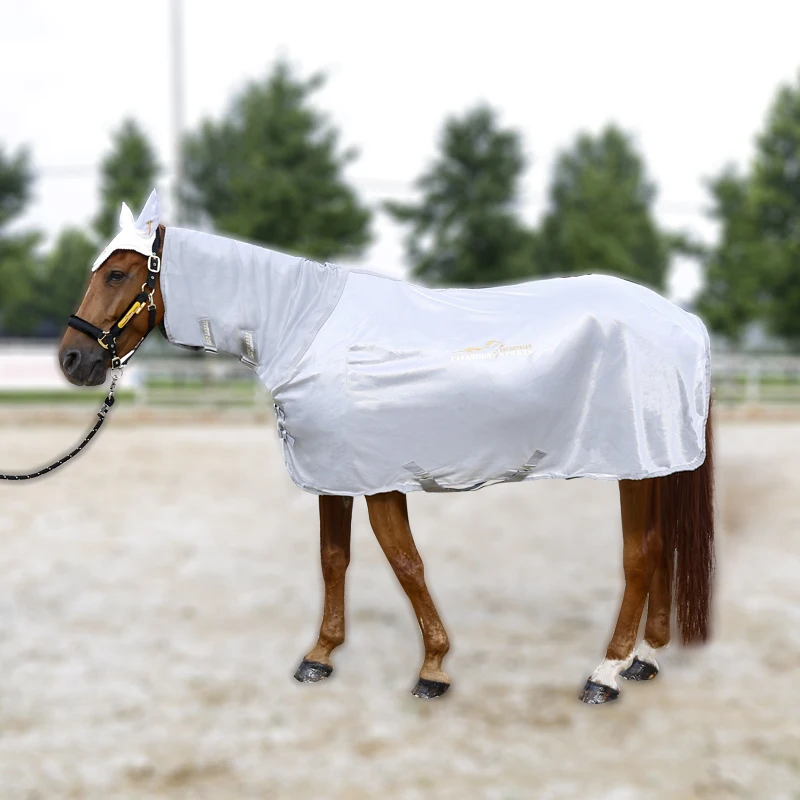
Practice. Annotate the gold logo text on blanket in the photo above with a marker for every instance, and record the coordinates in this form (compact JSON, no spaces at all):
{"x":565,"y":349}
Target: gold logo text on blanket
{"x":492,"y":349}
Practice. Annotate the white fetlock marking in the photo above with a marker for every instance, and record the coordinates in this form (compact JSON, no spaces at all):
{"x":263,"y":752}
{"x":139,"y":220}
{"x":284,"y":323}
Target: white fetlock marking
{"x":647,"y":653}
{"x":607,"y":672}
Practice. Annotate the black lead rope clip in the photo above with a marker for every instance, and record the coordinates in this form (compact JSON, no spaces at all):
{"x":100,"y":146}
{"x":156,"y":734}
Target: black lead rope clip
{"x":110,"y":399}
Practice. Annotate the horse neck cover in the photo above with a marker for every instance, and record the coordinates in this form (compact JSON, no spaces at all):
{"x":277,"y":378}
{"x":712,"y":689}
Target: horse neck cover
{"x":381,"y":385}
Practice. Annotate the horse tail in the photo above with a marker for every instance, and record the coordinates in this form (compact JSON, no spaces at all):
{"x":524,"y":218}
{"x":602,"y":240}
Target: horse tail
{"x":686,"y":511}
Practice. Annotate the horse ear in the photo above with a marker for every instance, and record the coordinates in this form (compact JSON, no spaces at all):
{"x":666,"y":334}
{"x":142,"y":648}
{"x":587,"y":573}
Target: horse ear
{"x":125,"y":217}
{"x":151,"y":213}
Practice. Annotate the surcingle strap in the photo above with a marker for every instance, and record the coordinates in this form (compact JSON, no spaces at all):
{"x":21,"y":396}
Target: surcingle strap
{"x":525,"y":470}
{"x":430,"y":484}
{"x":209,"y":343}
{"x":427,"y":483}
{"x":248,"y":345}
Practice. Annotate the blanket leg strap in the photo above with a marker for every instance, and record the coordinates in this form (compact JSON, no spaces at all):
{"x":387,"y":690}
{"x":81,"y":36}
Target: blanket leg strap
{"x":430,"y":484}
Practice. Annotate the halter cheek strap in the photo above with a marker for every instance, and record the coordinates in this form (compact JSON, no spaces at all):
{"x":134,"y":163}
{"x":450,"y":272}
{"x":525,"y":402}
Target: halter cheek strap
{"x":108,"y":339}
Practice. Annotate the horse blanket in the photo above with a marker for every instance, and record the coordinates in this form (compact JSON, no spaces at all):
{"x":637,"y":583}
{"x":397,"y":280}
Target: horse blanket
{"x":382,"y":385}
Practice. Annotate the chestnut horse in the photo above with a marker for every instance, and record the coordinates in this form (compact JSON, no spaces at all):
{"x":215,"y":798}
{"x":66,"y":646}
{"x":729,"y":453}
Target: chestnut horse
{"x":667,"y":524}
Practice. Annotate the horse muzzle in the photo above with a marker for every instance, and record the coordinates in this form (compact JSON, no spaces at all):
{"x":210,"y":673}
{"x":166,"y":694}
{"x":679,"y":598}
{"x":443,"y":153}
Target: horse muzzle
{"x":84,"y":366}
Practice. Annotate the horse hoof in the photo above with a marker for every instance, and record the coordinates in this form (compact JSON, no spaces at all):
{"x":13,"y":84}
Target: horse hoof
{"x":312,"y":671}
{"x":640,"y":671}
{"x":594,"y":693}
{"x":429,"y":689}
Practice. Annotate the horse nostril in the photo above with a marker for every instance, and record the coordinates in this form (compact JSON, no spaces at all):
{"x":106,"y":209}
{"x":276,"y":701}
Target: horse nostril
{"x":71,"y":361}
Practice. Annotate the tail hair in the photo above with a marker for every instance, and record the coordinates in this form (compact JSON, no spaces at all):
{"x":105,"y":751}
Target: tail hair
{"x":686,"y":501}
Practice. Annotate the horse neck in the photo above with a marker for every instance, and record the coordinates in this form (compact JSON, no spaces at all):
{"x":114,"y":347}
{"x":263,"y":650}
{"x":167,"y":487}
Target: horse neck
{"x":261,"y":306}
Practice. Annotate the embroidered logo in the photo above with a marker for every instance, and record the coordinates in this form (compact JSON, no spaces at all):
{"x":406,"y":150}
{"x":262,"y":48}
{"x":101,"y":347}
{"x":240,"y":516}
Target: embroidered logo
{"x":492,"y":349}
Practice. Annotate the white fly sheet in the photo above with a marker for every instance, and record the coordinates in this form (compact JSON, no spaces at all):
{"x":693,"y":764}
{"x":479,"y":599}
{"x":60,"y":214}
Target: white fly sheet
{"x":381,"y":385}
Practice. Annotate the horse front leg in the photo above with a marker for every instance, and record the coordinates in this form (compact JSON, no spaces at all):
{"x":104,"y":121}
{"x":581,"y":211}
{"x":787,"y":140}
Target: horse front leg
{"x":388,"y":515}
{"x":335,"y":516}
{"x":640,"y":556}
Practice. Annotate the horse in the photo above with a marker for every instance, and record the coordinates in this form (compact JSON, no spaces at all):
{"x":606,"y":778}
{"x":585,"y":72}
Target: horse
{"x":667,"y":510}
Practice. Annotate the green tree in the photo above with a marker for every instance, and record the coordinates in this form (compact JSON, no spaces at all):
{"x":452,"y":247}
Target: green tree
{"x":127,"y":174}
{"x":775,"y":188}
{"x":19,"y":277}
{"x":18,"y":262}
{"x":465,"y":229}
{"x":600,"y":217}
{"x":753,"y":273}
{"x":63,"y":277}
{"x":272,"y":170}
{"x":16,"y":182}
{"x":735,"y":292}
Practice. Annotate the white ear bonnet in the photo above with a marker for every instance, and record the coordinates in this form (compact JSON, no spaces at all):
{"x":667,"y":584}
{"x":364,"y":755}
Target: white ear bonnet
{"x":137,"y":236}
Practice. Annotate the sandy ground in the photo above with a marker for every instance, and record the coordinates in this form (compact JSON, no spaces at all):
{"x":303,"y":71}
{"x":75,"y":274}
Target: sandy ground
{"x":157,"y":595}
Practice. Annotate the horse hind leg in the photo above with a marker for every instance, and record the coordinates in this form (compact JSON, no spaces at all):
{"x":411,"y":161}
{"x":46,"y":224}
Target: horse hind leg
{"x":335,"y":516}
{"x":659,"y":608}
{"x":657,"y":629}
{"x":639,"y":558}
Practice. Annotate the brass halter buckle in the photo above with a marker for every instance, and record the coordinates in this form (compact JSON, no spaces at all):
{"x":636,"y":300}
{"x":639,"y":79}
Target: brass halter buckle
{"x":131,"y":312}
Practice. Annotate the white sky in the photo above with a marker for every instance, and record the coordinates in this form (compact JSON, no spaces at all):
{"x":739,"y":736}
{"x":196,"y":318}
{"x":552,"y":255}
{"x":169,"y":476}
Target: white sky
{"x":691,"y":80}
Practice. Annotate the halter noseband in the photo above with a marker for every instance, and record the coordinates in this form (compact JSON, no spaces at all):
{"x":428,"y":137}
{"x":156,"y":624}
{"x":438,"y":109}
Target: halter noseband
{"x":108,"y":339}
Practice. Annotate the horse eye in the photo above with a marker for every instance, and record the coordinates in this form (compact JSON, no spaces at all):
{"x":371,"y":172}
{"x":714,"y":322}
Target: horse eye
{"x":115,"y":276}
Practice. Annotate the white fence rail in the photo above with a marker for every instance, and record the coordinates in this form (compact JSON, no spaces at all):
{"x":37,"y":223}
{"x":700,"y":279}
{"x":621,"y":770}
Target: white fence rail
{"x":755,"y":378}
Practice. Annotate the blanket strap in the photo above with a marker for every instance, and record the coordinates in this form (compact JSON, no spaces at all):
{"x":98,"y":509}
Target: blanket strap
{"x":280,"y":414}
{"x":430,"y":484}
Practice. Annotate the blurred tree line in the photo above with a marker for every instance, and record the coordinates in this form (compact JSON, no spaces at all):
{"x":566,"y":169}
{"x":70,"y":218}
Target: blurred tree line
{"x":40,"y":291}
{"x":272,"y":169}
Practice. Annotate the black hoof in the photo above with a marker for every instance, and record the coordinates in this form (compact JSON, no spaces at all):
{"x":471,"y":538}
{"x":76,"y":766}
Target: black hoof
{"x":640,"y":671}
{"x":312,"y":671}
{"x":429,"y":689}
{"x":594,"y":693}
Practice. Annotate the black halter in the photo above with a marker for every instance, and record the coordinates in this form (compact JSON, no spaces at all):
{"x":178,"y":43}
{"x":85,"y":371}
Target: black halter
{"x":108,"y":339}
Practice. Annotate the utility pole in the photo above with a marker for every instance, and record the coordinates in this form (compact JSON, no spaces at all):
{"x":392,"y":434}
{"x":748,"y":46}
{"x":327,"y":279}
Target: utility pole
{"x":176,"y":64}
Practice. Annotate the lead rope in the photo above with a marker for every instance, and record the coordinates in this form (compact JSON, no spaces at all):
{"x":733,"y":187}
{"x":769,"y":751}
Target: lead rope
{"x":101,"y":414}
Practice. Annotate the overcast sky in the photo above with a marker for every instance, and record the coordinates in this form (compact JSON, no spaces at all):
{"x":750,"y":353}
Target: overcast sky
{"x":691,"y":80}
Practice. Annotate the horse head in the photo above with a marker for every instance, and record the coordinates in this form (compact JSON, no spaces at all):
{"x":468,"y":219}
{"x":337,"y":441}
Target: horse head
{"x":125,"y":281}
